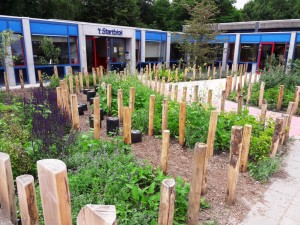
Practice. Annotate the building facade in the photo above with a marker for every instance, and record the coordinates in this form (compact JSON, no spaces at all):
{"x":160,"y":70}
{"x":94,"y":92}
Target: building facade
{"x":86,"y":45}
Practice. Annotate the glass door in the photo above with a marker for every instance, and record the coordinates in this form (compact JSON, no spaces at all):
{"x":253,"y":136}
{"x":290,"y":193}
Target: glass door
{"x":265,"y":52}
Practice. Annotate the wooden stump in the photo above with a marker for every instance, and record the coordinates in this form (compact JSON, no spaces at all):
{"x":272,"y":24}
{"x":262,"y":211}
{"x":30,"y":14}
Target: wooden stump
{"x":151,"y":115}
{"x":196,"y":91}
{"x":211,"y":132}
{"x":296,"y":100}
{"x":164,"y":124}
{"x":75,"y":113}
{"x":249,"y":93}
{"x":290,"y":113}
{"x":182,"y":122}
{"x":209,"y":97}
{"x":223,"y":99}
{"x":240,"y":104}
{"x":165,"y":151}
{"x":167,"y":202}
{"x":97,"y":118}
{"x":71,"y":84}
{"x":276,"y":137}
{"x":109,"y":96}
{"x":261,"y":94}
{"x":263,"y":114}
{"x":59,"y":97}
{"x":280,"y":97}
{"x":245,"y":147}
{"x":131,"y":98}
{"x":184,"y":92}
{"x":21,"y":78}
{"x":127,"y":125}
{"x":97,"y":215}
{"x":40,"y":78}
{"x":120,"y":105}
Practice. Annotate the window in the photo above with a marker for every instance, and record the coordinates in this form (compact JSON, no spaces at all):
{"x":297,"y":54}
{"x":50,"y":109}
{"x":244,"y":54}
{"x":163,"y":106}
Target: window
{"x":176,"y":53}
{"x":248,"y":52}
{"x":117,"y":50}
{"x":137,"y":51}
{"x":163,"y":51}
{"x":18,"y":50}
{"x":230,"y":52}
{"x":74,"y":50}
{"x":58,"y":42}
{"x":152,"y":51}
{"x":297,"y":51}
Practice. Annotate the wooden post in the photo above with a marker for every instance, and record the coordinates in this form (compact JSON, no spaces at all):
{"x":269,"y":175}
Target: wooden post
{"x":276,"y":137}
{"x":196,"y":183}
{"x":169,"y":75}
{"x":182,"y":122}
{"x":223,"y":101}
{"x":176,"y":93}
{"x":151,"y":115}
{"x":59,"y":97}
{"x":227,"y":87}
{"x":155,"y":83}
{"x":21,"y":78}
{"x":255,"y":78}
{"x":280,"y":97}
{"x":200,"y":73}
{"x":176,"y":75}
{"x":227,"y":70}
{"x":66,"y":102}
{"x":40,"y":78}
{"x":208,"y":72}
{"x":167,"y":202}
{"x":209,"y":97}
{"x":164,"y":123}
{"x":194,"y":73}
{"x":81,"y":81}
{"x":97,"y":215}
{"x":131,"y":98}
{"x":170,"y":91}
{"x":214,"y":72}
{"x":220,"y":71}
{"x":296,"y":100}
{"x":240,"y":103}
{"x":230,"y":84}
{"x":185,"y":73}
{"x":71,"y":71}
{"x":97,"y":120}
{"x":87,"y":80}
{"x":77,"y":85}
{"x":249,"y":93}
{"x":71,"y":84}
{"x":75,"y":115}
{"x":234,"y":81}
{"x":7,"y":193}
{"x":165,"y":151}
{"x":120,"y":105}
{"x":109,"y":95}
{"x":261,"y":94}
{"x":245,"y":147}
{"x":27,"y":200}
{"x":196,"y":91}
{"x":290,"y":113}
{"x":263,"y":112}
{"x":211,"y":132}
{"x":233,"y":171}
{"x":285,"y":128}
{"x":184,"y":91}
{"x":101,"y":72}
{"x":55,"y":71}
{"x":54,"y":190}
{"x":127,"y":125}
{"x":162,"y":87}
{"x":250,"y":78}
{"x":94,"y":76}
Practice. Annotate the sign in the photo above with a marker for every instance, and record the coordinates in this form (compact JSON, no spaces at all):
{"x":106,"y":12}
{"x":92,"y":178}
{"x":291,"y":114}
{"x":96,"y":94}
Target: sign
{"x":110,"y":32}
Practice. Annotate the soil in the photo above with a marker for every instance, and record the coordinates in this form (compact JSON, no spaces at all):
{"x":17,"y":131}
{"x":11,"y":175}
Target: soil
{"x":248,"y":190}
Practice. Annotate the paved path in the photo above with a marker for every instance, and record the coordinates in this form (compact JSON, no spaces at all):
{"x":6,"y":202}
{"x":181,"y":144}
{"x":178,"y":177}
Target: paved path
{"x":281,"y":202}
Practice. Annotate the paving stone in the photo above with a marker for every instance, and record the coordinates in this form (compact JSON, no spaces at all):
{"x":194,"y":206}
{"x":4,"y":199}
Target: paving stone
{"x":259,"y":220}
{"x":296,"y":200}
{"x":293,"y":213}
{"x":287,"y":221}
{"x":284,"y":187}
{"x":277,"y":198}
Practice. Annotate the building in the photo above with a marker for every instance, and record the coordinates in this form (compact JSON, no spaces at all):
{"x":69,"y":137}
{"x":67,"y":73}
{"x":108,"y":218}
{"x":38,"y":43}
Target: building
{"x":87,"y":45}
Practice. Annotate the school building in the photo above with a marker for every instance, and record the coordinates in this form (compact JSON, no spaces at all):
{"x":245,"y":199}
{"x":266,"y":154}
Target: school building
{"x":87,"y":45}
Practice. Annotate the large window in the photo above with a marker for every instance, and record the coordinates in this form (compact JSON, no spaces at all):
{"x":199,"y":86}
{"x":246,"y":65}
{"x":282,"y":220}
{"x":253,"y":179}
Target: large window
{"x":230,"y":52}
{"x":117,"y":50}
{"x":59,"y":42}
{"x":74,"y":50}
{"x":155,"y":51}
{"x":175,"y":52}
{"x":18,"y":50}
{"x":248,"y":52}
{"x":297,"y":51}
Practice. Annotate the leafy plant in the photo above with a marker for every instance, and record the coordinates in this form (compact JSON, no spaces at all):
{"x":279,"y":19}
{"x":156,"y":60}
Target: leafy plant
{"x":50,"y":52}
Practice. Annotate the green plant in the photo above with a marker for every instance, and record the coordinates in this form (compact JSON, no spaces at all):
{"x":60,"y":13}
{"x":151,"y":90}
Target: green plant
{"x":50,"y":52}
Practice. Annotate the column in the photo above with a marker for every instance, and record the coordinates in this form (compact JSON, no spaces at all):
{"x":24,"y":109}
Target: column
{"x":291,"y":50}
{"x":236,"y":51}
{"x":168,"y":49}
{"x":82,"y":47}
{"x":225,"y":54}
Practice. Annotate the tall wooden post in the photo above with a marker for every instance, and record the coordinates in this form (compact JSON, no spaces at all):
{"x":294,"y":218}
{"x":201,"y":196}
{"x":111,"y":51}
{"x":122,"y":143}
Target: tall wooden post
{"x":211,"y":132}
{"x":227,"y":87}
{"x":184,"y":92}
{"x":223,"y":101}
{"x":75,"y":115}
{"x":233,"y":171}
{"x":249,"y":93}
{"x":71,"y":71}
{"x":127,"y":125}
{"x":66,"y":102}
{"x":263,"y":112}
{"x":209,"y":97}
{"x":81,"y":81}
{"x":280,"y":97}
{"x":165,"y":151}
{"x":208,"y":72}
{"x":169,"y":75}
{"x":40,"y":78}
{"x":276,"y":137}
{"x":94,"y":77}
{"x":250,"y":78}
{"x":167,"y":202}
{"x":151,"y":115}
{"x":27,"y":200}
{"x":290,"y":113}
{"x":296,"y":99}
{"x":120,"y":105}
{"x":200,"y":73}
{"x":245,"y":147}
{"x":52,"y":174}
{"x":109,"y":96}
{"x":182,"y":122}
{"x":240,"y":103}
{"x":255,"y":78}
{"x":164,"y":123}
{"x":87,"y":80}
{"x":97,"y":215}
{"x":71,"y":84}
{"x":194,"y":73}
{"x":176,"y":93}
{"x":77,"y":85}
{"x":97,"y":120}
{"x":261,"y":94}
{"x":131,"y":98}
{"x":284,"y":129}
{"x":185,"y":73}
{"x":162,"y":87}
{"x":55,"y":71}
{"x":7,"y":193}
{"x":234,"y":81}
{"x":21,"y":78}
{"x":196,"y":183}
{"x":59,"y":97}
{"x":170,"y":91}
{"x":196,"y":91}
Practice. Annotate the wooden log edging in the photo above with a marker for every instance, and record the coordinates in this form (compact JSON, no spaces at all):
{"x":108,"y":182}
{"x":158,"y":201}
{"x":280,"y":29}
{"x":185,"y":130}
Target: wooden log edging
{"x":182,"y":123}
{"x":275,"y":146}
{"x":165,"y":151}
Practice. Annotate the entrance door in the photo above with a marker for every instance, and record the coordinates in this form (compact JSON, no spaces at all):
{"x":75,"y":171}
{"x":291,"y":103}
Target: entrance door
{"x":97,"y":52}
{"x":265,"y":51}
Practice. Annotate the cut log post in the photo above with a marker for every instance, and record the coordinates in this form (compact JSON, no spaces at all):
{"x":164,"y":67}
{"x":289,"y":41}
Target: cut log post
{"x":155,"y":84}
{"x":182,"y":122}
{"x":97,"y":120}
{"x":71,"y":71}
{"x":109,"y":96}
{"x":234,"y":81}
{"x":240,"y":104}
{"x":250,"y":78}
{"x":233,"y":171}
{"x":165,"y":151}
{"x":66,"y":87}
{"x":196,"y":183}
{"x":284,"y":130}
{"x":220,"y":71}
{"x":296,"y":100}
{"x":223,"y":101}
{"x":170,"y":91}
{"x":151,"y":115}
{"x":21,"y":78}
{"x":184,"y":92}
{"x":227,"y":70}
{"x":255,"y":78}
{"x":195,"y":95}
{"x":97,"y":215}
{"x":169,"y":76}
{"x":162,"y":87}
{"x":209,"y":97}
{"x":249,"y":93}
{"x":185,"y":73}
{"x":164,"y":123}
{"x":71,"y":84}
{"x":7,"y":193}
{"x":77,"y":85}
{"x":158,"y":86}
{"x":81,"y":81}
{"x":75,"y":113}
{"x":167,"y":202}
{"x":40,"y":78}
{"x":245,"y":78}
{"x":263,"y":114}
{"x":94,"y":77}
{"x":214,"y":72}
{"x":120,"y":105}
{"x":230,"y":84}
{"x":175,"y":93}
{"x":27,"y":200}
{"x":290,"y":113}
{"x":208,"y":72}
{"x":227,"y":87}
{"x":176,"y":75}
{"x":87,"y":80}
{"x":212,"y":132}
{"x":280,"y":97}
{"x":55,"y":71}
{"x":194,"y":73}
{"x":66,"y":102}
{"x":59,"y":97}
{"x":54,"y":190}
{"x":276,"y":137}
{"x":101,"y":72}
{"x":261,"y":94}
{"x":127,"y":125}
{"x":131,"y":98}
{"x":245,"y":147}
{"x":200,"y":73}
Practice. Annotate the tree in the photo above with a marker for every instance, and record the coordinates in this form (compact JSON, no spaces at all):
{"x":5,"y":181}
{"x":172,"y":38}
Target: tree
{"x":50,"y":52}
{"x":6,"y":40}
{"x":198,"y":40}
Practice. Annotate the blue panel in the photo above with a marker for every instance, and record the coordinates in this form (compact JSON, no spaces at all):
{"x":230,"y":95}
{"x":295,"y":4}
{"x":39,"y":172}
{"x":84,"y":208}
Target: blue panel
{"x":283,"y":37}
{"x":73,"y":30}
{"x":155,"y":36}
{"x":232,"y":38}
{"x":3,"y":25}
{"x":222,"y":38}
{"x":164,"y":37}
{"x":298,"y":37}
{"x":248,"y":38}
{"x":15,"y":26}
{"x":138,"y":35}
{"x":48,"y":28}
